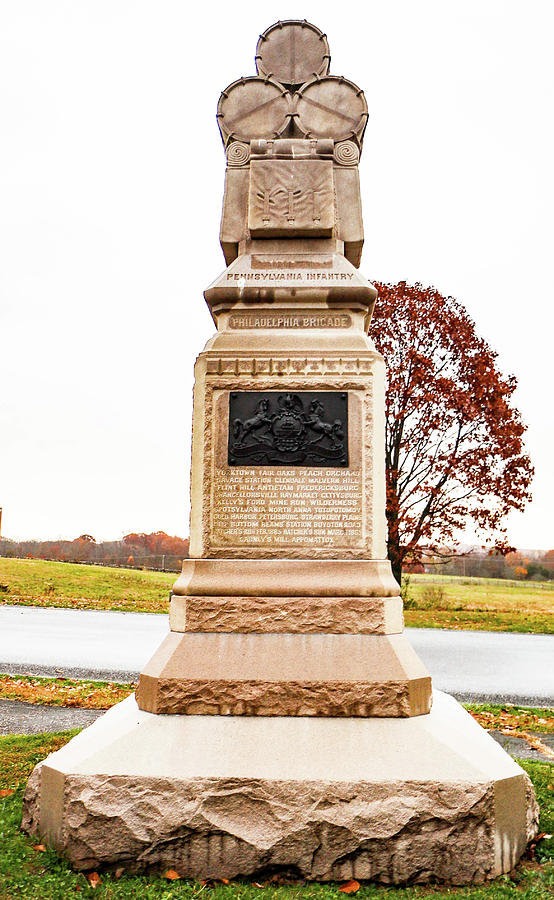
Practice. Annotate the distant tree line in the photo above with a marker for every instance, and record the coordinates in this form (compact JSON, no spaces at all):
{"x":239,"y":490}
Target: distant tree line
{"x":519,"y":565}
{"x":157,"y":550}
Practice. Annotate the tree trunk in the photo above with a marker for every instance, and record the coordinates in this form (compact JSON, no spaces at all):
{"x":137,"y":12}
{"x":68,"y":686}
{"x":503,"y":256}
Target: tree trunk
{"x":396,"y":565}
{"x":393,"y":542}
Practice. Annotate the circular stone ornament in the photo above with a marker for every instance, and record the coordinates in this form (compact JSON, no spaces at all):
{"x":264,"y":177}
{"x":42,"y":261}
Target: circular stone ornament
{"x":292,"y":52}
{"x":238,"y":153}
{"x":331,"y":107}
{"x":346,"y":153}
{"x":252,"y":109}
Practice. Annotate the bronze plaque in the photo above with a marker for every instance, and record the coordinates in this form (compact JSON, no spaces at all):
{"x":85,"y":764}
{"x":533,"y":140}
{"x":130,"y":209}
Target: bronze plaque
{"x":303,"y":428}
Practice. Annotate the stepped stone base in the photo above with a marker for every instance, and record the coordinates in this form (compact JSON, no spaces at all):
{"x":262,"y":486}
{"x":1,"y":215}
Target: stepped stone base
{"x":271,"y":615}
{"x":285,"y":675}
{"x":289,"y":577}
{"x":392,"y":800}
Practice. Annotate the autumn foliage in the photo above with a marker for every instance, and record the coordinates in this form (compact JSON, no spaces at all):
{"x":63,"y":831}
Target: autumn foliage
{"x":454,"y":440}
{"x":156,"y":543}
{"x":135,"y":549}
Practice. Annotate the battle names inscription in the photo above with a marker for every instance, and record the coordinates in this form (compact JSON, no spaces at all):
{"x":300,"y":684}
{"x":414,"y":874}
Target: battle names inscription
{"x":257,"y":506}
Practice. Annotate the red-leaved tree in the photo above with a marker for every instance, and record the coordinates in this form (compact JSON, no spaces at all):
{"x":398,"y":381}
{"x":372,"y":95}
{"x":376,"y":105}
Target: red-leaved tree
{"x":454,"y":447}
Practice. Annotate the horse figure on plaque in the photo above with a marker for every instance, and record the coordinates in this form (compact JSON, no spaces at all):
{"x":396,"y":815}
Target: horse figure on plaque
{"x":288,"y":429}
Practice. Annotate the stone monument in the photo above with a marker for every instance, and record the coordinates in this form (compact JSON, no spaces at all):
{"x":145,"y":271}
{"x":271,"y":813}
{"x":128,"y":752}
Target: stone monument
{"x":285,"y":722}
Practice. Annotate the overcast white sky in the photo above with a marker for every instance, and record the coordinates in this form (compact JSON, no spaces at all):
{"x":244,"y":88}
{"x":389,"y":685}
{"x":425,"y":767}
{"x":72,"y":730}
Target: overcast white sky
{"x":111,"y":180}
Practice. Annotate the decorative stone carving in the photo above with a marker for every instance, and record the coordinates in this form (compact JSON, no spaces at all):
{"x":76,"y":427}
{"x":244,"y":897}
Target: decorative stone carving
{"x":253,"y":108}
{"x":346,"y":153}
{"x":313,"y":366}
{"x":300,"y":126}
{"x":292,"y":197}
{"x":331,"y":107}
{"x":292,"y":52}
{"x":238,"y":153}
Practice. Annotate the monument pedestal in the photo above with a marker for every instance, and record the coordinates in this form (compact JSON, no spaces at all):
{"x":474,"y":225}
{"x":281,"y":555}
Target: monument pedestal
{"x":418,"y":799}
{"x":285,"y":722}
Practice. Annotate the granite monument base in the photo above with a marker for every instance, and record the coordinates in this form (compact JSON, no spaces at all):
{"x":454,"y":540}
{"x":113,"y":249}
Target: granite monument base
{"x":428,"y":798}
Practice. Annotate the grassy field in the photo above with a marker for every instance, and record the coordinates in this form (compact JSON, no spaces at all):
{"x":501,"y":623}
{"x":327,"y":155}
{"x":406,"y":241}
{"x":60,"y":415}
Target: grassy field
{"x":432,"y":601}
{"x":29,"y":870}
{"x":489,"y":604}
{"x":37,"y":582}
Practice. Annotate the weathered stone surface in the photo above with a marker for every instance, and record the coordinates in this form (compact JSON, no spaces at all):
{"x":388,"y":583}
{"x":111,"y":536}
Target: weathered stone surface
{"x":285,"y":698}
{"x":228,"y":827}
{"x":217,"y":673}
{"x":308,"y":615}
{"x":431,"y":798}
{"x":31,"y":805}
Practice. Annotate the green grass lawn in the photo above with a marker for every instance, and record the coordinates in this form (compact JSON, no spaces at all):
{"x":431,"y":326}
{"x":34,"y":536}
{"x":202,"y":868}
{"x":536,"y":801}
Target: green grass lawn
{"x":489,"y":604}
{"x":433,"y":601}
{"x":29,"y":874}
{"x":37,"y":582}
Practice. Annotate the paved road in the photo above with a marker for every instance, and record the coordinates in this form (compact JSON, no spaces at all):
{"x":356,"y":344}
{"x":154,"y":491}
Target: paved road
{"x":30,"y":718}
{"x":471,"y":665}
{"x":78,"y":643}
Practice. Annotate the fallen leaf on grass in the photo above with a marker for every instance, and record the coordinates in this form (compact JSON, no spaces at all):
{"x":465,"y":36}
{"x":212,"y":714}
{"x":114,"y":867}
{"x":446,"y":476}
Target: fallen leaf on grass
{"x":94,"y":879}
{"x":350,"y":887}
{"x":63,"y":691}
{"x":40,"y":847}
{"x":7,"y":792}
{"x":171,"y":875}
{"x":257,"y":884}
{"x":542,"y":836}
{"x":516,"y":720}
{"x":224,"y":880}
